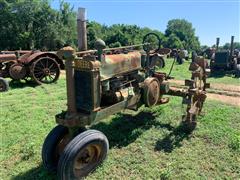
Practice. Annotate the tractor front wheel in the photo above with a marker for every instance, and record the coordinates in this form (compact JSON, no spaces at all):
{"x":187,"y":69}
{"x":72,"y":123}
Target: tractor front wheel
{"x":53,"y":145}
{"x":4,"y":85}
{"x":82,"y":155}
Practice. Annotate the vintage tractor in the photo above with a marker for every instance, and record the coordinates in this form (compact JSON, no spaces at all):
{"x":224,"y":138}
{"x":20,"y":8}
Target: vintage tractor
{"x":226,"y":60}
{"x":99,"y":85}
{"x":42,"y":67}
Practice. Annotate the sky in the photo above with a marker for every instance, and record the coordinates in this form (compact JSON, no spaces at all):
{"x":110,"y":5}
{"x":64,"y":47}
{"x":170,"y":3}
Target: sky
{"x":210,"y":18}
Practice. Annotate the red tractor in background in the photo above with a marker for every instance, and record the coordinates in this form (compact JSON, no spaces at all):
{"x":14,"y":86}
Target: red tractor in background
{"x":41,"y":67}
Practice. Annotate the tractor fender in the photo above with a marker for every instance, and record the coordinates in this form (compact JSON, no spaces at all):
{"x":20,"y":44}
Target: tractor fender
{"x":29,"y":58}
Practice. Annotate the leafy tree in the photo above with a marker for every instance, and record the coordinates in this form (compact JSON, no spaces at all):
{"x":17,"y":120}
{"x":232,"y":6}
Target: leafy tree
{"x":236,"y":45}
{"x":185,"y":33}
{"x":29,"y":24}
{"x":173,"y":42}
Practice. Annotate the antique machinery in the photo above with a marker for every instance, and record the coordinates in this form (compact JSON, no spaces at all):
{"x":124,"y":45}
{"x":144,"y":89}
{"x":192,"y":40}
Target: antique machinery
{"x":100,"y":84}
{"x":42,"y":67}
{"x":226,"y":60}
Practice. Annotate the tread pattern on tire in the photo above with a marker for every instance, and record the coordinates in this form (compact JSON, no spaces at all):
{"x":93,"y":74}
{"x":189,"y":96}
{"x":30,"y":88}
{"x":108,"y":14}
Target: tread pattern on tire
{"x":50,"y":142}
{"x":68,"y":154}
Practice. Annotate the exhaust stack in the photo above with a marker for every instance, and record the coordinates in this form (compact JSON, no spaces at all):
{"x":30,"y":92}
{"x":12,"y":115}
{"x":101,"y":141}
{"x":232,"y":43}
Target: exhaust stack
{"x":231,"y":46}
{"x":82,"y":29}
{"x":217,"y":43}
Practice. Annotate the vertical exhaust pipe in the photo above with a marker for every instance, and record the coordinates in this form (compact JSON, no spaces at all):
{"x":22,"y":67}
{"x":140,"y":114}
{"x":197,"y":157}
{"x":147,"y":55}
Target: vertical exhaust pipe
{"x":231,"y":46}
{"x":217,"y":43}
{"x":82,"y":29}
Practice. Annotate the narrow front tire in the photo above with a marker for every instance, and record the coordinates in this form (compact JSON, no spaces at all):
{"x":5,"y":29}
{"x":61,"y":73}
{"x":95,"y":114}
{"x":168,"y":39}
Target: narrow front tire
{"x":82,"y":155}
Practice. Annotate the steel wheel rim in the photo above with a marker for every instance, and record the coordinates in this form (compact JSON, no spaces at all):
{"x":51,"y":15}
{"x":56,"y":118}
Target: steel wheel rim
{"x":87,"y":159}
{"x":45,"y":70}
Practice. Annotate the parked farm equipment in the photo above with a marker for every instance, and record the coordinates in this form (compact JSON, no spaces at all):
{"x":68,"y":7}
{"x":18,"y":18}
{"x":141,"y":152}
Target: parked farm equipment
{"x":42,"y":67}
{"x":180,"y":55}
{"x":99,"y":85}
{"x":226,"y":60}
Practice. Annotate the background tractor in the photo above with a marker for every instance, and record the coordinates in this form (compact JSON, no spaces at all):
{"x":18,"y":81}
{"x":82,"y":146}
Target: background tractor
{"x":226,"y":60}
{"x":41,"y":67}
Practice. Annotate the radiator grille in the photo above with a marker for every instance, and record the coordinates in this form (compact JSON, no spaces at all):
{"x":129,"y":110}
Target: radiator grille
{"x":83,"y":84}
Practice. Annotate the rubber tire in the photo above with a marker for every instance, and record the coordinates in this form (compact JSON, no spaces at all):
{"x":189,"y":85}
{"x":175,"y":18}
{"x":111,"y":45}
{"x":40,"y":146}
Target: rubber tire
{"x":162,"y":63}
{"x":180,"y":60}
{"x":65,"y":165}
{"x":5,"y":84}
{"x":49,"y":147}
{"x":237,"y":71}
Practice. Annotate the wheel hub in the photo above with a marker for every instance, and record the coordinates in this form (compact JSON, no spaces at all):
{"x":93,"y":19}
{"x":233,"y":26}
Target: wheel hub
{"x":46,"y":71}
{"x":87,"y":157}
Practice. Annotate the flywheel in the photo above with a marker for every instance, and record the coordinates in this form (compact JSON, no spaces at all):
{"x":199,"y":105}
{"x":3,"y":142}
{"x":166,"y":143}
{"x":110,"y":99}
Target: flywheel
{"x":151,"y":92}
{"x":17,"y":71}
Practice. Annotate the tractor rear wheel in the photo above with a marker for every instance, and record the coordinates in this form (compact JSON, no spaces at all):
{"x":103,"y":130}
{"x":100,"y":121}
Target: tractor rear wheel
{"x":4,"y":85}
{"x":53,"y":145}
{"x":45,"y":70}
{"x":82,"y":155}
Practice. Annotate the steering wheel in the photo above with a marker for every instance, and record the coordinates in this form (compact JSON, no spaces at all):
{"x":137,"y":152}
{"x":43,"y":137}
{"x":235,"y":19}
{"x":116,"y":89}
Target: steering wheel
{"x":151,"y":42}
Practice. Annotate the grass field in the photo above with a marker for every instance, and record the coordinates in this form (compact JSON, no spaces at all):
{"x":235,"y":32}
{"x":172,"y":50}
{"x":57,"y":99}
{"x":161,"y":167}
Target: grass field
{"x":181,"y":72}
{"x":149,"y":144}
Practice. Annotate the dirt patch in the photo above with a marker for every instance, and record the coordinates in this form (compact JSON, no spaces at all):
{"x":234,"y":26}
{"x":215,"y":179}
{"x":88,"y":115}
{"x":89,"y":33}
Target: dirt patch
{"x":217,"y":86}
{"x":235,"y":101}
{"x":229,"y":94}
{"x":229,"y":87}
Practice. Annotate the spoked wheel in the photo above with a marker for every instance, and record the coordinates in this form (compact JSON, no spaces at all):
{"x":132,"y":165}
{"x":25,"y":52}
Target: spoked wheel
{"x":53,"y":146}
{"x":45,"y":70}
{"x":82,"y":155}
{"x":4,"y":85}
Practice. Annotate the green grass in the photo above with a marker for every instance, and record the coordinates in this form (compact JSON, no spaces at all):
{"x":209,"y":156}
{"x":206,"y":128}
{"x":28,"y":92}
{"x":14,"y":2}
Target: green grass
{"x":181,"y":72}
{"x":146,"y":145}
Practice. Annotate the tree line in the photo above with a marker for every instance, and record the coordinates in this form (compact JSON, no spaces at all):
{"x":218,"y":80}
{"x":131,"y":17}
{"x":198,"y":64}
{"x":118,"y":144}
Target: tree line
{"x":34,"y":24}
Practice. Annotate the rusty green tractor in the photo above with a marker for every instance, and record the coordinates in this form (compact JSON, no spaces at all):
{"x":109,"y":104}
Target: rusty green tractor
{"x":104,"y":82}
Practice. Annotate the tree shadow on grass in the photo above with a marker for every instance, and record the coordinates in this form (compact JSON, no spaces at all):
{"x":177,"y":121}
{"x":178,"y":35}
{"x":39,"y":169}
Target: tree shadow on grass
{"x":173,"y":140}
{"x":125,"y":129}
